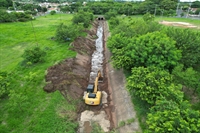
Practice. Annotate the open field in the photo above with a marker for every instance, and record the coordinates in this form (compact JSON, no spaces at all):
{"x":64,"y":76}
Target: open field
{"x":15,"y":37}
{"x":29,"y":109}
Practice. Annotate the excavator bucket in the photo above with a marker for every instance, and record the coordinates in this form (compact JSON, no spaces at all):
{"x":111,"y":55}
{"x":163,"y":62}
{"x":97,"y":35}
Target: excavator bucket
{"x":100,"y":78}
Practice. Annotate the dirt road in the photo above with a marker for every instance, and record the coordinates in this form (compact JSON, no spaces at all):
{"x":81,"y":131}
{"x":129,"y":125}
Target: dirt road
{"x":124,"y":108}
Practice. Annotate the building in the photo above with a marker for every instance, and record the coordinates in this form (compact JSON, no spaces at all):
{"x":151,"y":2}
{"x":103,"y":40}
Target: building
{"x":188,"y":0}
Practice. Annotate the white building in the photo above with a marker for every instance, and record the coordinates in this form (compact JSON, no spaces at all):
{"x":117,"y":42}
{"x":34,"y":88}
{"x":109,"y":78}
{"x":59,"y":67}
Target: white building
{"x":188,"y":0}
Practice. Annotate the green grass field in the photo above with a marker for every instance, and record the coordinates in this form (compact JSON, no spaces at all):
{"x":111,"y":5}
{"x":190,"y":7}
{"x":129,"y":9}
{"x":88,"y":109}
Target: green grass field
{"x":29,"y":109}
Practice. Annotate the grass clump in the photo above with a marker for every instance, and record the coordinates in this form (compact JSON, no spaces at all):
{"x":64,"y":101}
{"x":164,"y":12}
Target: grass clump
{"x":122,"y":123}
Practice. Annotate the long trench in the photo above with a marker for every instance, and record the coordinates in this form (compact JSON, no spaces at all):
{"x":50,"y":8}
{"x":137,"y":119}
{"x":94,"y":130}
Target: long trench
{"x":101,"y":114}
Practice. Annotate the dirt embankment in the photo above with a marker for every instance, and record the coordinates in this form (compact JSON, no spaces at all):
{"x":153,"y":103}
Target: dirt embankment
{"x":71,"y":76}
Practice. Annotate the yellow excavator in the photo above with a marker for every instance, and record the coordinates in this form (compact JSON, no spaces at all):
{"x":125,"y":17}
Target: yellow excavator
{"x":93,"y":95}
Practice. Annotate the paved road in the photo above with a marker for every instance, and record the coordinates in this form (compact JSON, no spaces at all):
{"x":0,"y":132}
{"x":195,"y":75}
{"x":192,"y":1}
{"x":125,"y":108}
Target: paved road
{"x":124,"y":109}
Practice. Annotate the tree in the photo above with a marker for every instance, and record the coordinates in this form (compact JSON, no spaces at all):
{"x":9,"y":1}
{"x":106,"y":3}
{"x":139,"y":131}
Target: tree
{"x":168,"y":4}
{"x":113,"y":22}
{"x":189,"y":78}
{"x":53,"y":12}
{"x":152,"y":84}
{"x":83,"y":17}
{"x":188,"y":41}
{"x":136,"y":28}
{"x":148,"y":17}
{"x":152,"y":49}
{"x":5,"y":3}
{"x":68,"y":32}
{"x":167,"y":116}
{"x":110,"y":14}
{"x":197,"y":11}
{"x":44,"y":9}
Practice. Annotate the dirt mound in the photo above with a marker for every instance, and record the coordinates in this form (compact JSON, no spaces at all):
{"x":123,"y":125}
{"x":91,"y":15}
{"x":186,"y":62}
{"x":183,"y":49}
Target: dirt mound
{"x":71,"y":76}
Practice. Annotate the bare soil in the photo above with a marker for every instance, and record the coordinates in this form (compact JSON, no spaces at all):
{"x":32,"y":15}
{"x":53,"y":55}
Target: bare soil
{"x":179,"y":24}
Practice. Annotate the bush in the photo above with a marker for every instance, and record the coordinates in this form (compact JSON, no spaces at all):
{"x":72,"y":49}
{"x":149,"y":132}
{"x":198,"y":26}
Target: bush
{"x":53,"y":12}
{"x":110,"y":14}
{"x":83,"y":17}
{"x":4,"y":83}
{"x":68,"y":32}
{"x":148,"y":17}
{"x":34,"y":55}
{"x":114,"y":22}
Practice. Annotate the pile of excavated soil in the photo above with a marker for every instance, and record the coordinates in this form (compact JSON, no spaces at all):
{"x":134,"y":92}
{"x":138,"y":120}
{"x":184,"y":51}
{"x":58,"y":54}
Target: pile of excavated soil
{"x":71,"y":76}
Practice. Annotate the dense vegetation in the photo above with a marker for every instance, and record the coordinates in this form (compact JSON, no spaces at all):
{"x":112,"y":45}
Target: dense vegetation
{"x":156,"y":7}
{"x":27,"y":50}
{"x":161,"y":64}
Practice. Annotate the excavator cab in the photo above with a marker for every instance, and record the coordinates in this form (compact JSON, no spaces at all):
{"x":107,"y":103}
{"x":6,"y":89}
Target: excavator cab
{"x":93,"y":95}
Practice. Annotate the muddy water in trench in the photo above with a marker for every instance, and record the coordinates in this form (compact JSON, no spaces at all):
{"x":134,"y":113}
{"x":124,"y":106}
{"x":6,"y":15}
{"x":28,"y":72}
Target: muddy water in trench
{"x":97,"y":56}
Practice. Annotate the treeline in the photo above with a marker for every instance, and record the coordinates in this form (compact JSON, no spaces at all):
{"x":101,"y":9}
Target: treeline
{"x":157,"y":7}
{"x":14,"y":17}
{"x":162,"y":67}
{"x":8,"y":12}
{"x":126,"y":8}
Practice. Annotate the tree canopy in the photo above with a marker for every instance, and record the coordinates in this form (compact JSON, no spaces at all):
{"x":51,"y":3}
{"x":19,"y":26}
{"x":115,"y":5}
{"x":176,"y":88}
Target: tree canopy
{"x":151,"y":84}
{"x":167,"y":116}
{"x":151,"y":49}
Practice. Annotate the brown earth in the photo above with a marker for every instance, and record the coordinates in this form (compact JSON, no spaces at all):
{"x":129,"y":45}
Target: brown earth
{"x":179,"y":24}
{"x":71,"y":76}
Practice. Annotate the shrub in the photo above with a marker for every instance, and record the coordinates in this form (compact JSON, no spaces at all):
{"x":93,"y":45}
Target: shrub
{"x":53,"y":12}
{"x":83,"y":17}
{"x":68,"y":32}
{"x":4,"y":83}
{"x":110,"y":14}
{"x":34,"y":55}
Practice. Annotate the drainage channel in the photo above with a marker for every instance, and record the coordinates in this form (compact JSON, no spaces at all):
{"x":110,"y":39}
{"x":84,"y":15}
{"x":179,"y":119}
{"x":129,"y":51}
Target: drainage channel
{"x":88,"y":117}
{"x":97,"y":56}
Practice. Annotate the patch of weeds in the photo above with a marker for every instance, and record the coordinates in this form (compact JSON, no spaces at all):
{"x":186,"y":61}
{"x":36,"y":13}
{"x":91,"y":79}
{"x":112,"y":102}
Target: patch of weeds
{"x":94,"y":37}
{"x":121,"y":123}
{"x":129,"y":121}
{"x":96,"y":128}
{"x":114,"y":131}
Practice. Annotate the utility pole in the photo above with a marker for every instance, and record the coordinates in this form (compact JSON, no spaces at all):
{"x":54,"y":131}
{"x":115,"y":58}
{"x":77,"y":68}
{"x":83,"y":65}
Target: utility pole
{"x":14,"y":5}
{"x":177,"y":9}
{"x":188,"y":9}
{"x":162,"y":13}
{"x":155,"y":11}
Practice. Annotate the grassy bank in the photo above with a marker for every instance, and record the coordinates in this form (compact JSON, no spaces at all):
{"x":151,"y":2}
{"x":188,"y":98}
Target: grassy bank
{"x":29,"y":109}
